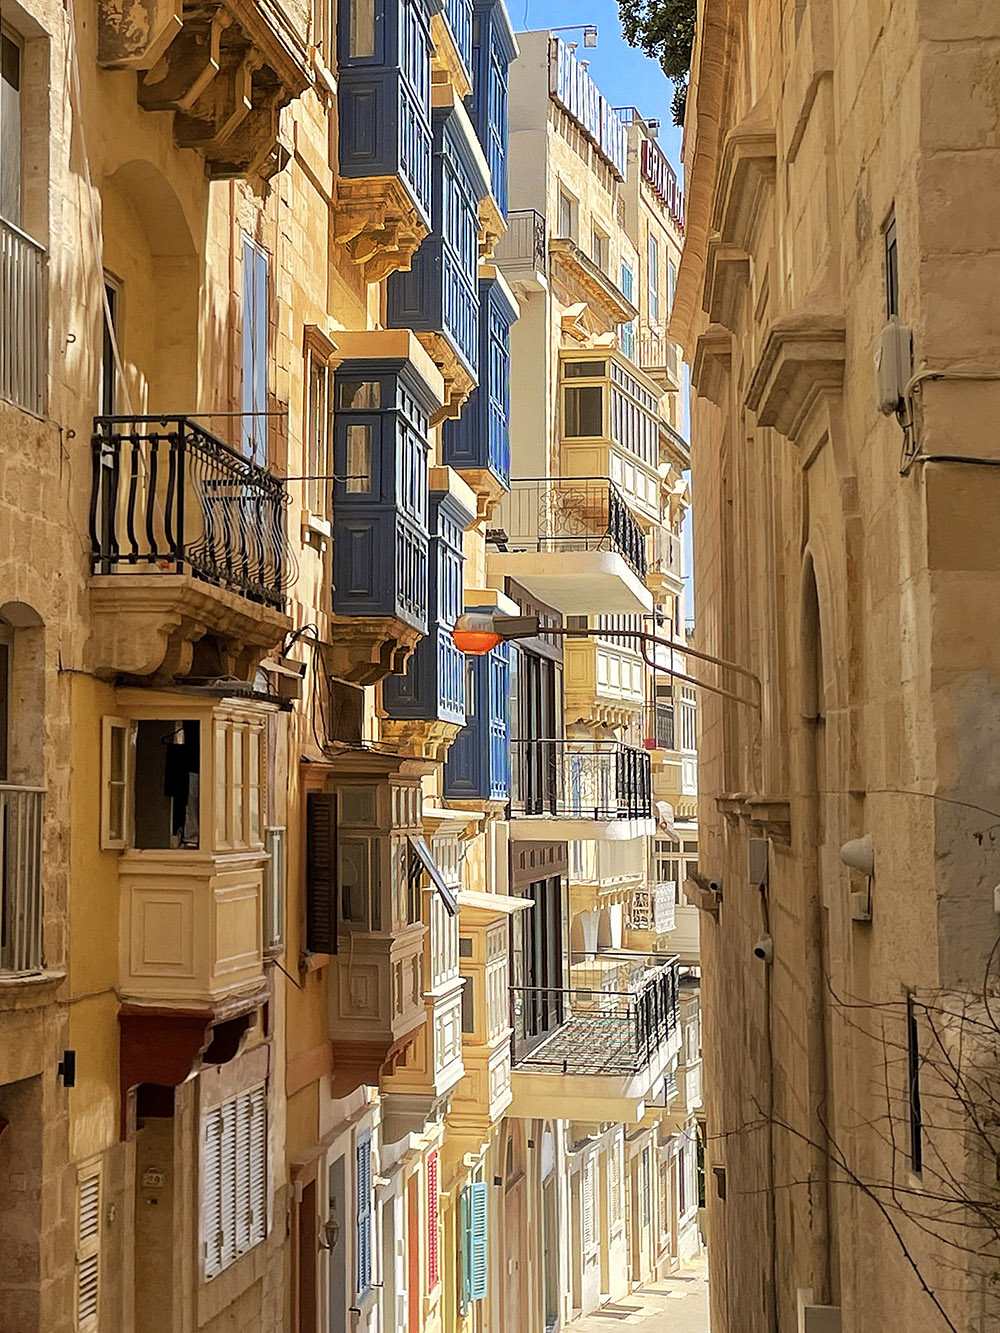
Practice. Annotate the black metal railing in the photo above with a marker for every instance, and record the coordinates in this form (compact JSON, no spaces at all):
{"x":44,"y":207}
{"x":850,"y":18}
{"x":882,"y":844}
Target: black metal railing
{"x":569,"y":514}
{"x":658,"y":726}
{"x":606,"y":1030}
{"x":580,"y":779}
{"x":523,"y":243}
{"x":169,"y":495}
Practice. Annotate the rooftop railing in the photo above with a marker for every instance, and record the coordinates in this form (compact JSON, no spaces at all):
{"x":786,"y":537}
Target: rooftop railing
{"x":168,"y":495}
{"x":569,"y":514}
{"x":20,"y":878}
{"x":580,"y":779}
{"x":605,"y":1030}
{"x":22,"y":319}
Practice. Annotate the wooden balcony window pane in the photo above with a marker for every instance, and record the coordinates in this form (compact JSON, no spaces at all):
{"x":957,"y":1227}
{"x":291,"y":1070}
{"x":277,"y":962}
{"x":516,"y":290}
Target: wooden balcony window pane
{"x":359,"y":459}
{"x":255,"y":780}
{"x":222,"y":786}
{"x":362,"y":28}
{"x":584,"y":411}
{"x":238,"y":833}
{"x":359,"y":395}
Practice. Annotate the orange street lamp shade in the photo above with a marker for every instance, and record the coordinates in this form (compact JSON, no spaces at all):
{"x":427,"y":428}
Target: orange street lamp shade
{"x":474,"y":633}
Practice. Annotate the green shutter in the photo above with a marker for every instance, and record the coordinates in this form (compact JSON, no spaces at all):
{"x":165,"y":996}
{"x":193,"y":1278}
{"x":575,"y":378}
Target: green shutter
{"x":478,"y":1212}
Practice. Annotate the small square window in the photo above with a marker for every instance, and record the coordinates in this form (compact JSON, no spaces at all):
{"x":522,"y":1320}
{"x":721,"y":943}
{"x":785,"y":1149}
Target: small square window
{"x":359,"y":395}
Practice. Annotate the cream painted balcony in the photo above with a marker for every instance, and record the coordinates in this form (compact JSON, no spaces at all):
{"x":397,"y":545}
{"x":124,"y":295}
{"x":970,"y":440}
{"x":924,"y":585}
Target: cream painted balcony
{"x":603,"y":677}
{"x":685,"y":941}
{"x":483,"y":1097}
{"x":619,"y":1035}
{"x":183,"y":800}
{"x":651,"y":916}
{"x":664,"y":573}
{"x":602,"y":875}
{"x":574,"y":544}
{"x":609,"y":424}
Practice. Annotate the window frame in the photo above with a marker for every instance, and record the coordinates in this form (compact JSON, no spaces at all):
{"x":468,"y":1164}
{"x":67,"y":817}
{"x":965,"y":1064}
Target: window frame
{"x":653,"y":278}
{"x":110,"y":840}
{"x":16,"y":216}
{"x":569,"y":205}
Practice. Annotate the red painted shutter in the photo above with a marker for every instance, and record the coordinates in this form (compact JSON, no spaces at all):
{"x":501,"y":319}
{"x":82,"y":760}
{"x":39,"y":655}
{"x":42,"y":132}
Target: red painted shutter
{"x":321,"y":872}
{"x":433,"y":1261}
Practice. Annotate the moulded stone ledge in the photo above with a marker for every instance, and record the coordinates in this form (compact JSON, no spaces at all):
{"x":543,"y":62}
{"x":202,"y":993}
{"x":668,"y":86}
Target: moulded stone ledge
{"x":727,"y":273}
{"x":802,"y":359}
{"x":713,"y":355}
{"x":746,"y":175}
{"x":366,"y":649}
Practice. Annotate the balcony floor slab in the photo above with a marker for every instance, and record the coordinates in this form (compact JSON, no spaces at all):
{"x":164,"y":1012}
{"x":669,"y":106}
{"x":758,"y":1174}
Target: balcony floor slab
{"x":577,"y":583}
{"x":546,"y":828}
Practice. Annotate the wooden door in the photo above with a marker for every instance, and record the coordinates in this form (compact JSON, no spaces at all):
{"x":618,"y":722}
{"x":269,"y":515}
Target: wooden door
{"x":513,"y":1242}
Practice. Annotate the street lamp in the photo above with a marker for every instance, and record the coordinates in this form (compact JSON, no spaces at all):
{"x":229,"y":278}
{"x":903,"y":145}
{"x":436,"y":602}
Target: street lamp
{"x":479,"y":632}
{"x":589,"y":32}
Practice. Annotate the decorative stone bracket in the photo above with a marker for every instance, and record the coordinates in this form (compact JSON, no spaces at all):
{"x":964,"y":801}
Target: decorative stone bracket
{"x":713,"y":355}
{"x":225,"y":70}
{"x":802,"y":360}
{"x":377,"y":221}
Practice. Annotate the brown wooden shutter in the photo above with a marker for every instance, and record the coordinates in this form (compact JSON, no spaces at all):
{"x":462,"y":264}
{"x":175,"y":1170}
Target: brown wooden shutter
{"x":321,"y":872}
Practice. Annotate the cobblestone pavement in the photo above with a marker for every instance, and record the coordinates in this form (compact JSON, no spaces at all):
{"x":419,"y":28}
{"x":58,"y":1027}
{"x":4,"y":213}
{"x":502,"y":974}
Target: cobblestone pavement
{"x":677,"y":1304}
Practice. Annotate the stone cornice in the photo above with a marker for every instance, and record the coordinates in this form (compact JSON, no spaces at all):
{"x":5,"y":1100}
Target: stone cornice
{"x":801,"y":361}
{"x":713,"y":355}
{"x":746,"y":175}
{"x":600,"y":292}
{"x":727,"y":273}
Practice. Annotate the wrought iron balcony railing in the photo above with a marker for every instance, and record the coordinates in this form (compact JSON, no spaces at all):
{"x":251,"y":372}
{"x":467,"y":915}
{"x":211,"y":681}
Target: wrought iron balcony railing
{"x":168,"y":495}
{"x":569,"y":514}
{"x":653,"y":908}
{"x":22,"y":319}
{"x":605,"y":1030}
{"x":657,"y":352}
{"x":658,"y":726}
{"x":580,"y":779}
{"x":20,"y":878}
{"x":523,"y":245}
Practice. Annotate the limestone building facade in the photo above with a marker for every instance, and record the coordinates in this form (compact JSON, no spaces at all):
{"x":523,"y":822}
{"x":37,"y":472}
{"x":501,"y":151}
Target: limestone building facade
{"x":835,"y":306}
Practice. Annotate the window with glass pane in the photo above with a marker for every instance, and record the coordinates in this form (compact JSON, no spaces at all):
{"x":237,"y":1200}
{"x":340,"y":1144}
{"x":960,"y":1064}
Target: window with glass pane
{"x":653,"y":279}
{"x":567,"y":215}
{"x":600,"y":249}
{"x":10,"y":127}
{"x":362,"y":28}
{"x":359,"y":395}
{"x":576,"y":370}
{"x":356,"y":906}
{"x":584,"y":410}
{"x":359,"y":458}
{"x":318,"y":442}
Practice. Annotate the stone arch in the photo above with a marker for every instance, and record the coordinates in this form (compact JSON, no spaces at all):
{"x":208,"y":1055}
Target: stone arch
{"x":149,"y":246}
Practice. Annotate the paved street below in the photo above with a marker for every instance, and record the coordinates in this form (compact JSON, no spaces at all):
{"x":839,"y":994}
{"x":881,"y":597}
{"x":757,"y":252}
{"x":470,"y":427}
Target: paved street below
{"x":677,"y":1304}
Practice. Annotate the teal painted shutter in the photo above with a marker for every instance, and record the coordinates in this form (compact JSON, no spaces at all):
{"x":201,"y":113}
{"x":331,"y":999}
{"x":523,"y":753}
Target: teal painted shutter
{"x":478,"y":1211}
{"x":364,"y":1212}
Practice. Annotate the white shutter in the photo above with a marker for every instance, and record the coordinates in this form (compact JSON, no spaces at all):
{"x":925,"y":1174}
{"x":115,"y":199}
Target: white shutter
{"x":88,"y":1249}
{"x":615,"y":1182}
{"x":211,"y":1192}
{"x":234,"y":1182}
{"x":258,"y":1165}
{"x":116,"y":782}
{"x":589,"y":1205}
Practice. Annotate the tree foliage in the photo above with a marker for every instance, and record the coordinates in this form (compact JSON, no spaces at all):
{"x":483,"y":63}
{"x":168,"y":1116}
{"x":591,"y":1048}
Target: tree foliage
{"x":664,"y":30}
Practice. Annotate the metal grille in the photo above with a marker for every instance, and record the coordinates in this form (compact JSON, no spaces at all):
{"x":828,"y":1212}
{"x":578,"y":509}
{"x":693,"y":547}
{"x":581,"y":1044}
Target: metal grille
{"x":22,"y":319}
{"x":20,"y":878}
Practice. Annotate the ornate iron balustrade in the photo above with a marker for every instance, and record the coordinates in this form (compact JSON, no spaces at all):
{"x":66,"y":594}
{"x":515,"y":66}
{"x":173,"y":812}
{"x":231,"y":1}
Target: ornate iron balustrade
{"x":22,"y":319}
{"x":653,"y":908}
{"x":605,"y":1030}
{"x":523,"y":244}
{"x":169,"y":495}
{"x":585,"y":779}
{"x":20,"y":878}
{"x":569,"y":514}
{"x":658,"y":725}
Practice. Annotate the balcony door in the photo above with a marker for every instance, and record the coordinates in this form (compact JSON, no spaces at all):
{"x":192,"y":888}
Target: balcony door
{"x":10,"y":127}
{"x":255,"y":343}
{"x":537,"y":958}
{"x":537,"y":714}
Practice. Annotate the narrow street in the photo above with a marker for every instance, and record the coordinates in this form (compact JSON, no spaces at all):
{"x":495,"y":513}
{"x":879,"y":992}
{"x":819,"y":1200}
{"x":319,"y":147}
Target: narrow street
{"x":678,"y":1304}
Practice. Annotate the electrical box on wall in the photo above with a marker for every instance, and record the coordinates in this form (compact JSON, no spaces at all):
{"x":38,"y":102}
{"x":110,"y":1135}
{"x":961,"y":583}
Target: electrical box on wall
{"x":757,"y":854}
{"x":893,"y":365}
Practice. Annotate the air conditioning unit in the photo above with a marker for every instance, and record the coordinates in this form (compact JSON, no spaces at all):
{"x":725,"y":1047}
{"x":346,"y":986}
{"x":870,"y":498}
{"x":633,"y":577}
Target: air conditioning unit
{"x":893,"y":365}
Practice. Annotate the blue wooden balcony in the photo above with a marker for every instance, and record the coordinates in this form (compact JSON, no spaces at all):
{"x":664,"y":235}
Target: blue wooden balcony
{"x":457,"y":15}
{"x":479,"y":440}
{"x":380,"y":500}
{"x":439,"y":294}
{"x":384,"y":83}
{"x":493,"y":49}
{"x":478,"y":763}
{"x":433,"y":686}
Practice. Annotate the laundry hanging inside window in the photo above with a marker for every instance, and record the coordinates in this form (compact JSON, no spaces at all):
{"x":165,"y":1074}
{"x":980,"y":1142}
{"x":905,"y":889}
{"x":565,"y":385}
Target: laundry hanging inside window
{"x":167,"y":784}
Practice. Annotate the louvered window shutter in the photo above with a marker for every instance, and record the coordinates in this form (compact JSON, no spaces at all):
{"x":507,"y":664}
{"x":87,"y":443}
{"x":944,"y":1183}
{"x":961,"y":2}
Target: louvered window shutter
{"x":589,"y":1206}
{"x":364,"y":1212}
{"x":88,"y":1251}
{"x":615,"y":1183}
{"x":433,"y":1261}
{"x":227,"y":1184}
{"x":478,"y":1209}
{"x":241,"y":1172}
{"x":465,"y":1230}
{"x":258,"y":1165}
{"x":321,"y":872}
{"x":211,"y":1192}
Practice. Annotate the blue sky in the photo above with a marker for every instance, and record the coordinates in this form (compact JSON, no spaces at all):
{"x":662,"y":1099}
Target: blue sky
{"x":624,"y":75}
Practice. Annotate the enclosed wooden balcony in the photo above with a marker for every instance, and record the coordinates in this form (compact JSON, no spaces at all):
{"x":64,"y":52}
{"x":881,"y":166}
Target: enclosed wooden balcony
{"x":383,"y":209}
{"x":224,"y":68}
{"x":574,"y":544}
{"x":188,"y":559}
